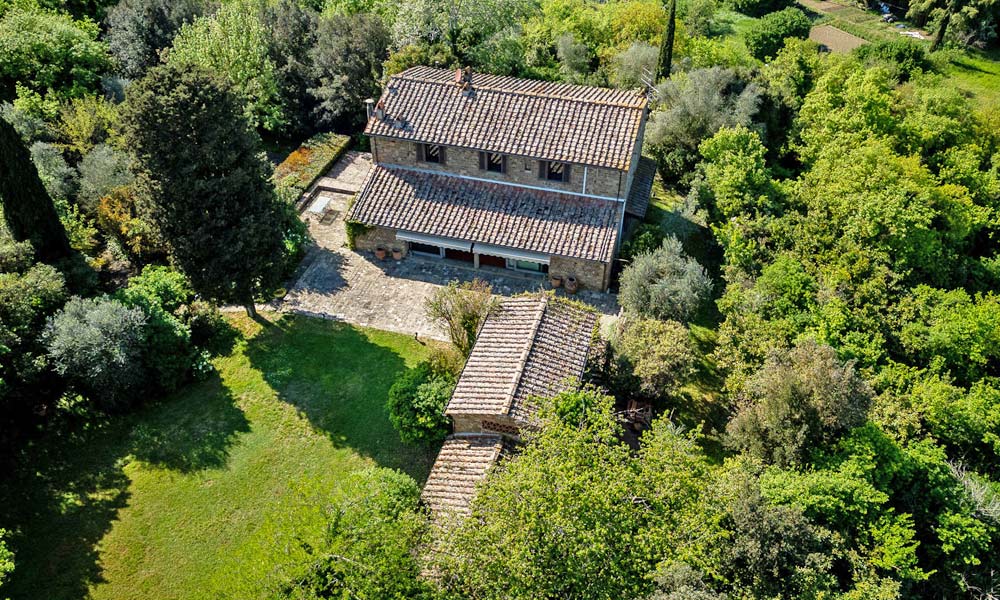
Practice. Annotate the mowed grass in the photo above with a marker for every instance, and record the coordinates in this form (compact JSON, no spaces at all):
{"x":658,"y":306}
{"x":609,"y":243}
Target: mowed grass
{"x":204,"y":494}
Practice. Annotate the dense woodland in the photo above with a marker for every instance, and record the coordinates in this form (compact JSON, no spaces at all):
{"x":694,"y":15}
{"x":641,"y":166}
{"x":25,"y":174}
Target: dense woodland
{"x":811,"y":307}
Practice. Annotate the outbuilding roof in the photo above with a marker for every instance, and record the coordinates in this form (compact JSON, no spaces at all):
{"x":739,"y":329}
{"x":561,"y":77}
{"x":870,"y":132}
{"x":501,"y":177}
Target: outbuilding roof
{"x":523,"y":117}
{"x":423,"y":202}
{"x":529,"y":346}
{"x":462,"y":463}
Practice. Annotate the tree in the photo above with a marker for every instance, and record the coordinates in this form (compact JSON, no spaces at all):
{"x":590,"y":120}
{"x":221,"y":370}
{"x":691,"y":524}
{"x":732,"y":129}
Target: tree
{"x":102,"y":170}
{"x":49,"y":51}
{"x":97,"y":345}
{"x":235,"y":43}
{"x":211,"y":197}
{"x":665,"y":283}
{"x":27,"y":209}
{"x":462,"y":310}
{"x":6,"y":557}
{"x":139,"y":29}
{"x":291,"y":38}
{"x":657,"y":353}
{"x":667,"y":46}
{"x":575,"y":514}
{"x":800,"y":400}
{"x":691,"y":108}
{"x":347,"y":66}
{"x":765,"y":37}
{"x":946,"y":11}
{"x":368,"y":551}
{"x":417,"y":401}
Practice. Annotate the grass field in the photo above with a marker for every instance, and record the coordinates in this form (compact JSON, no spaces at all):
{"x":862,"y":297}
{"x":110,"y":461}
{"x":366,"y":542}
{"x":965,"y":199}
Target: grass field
{"x":202,"y":494}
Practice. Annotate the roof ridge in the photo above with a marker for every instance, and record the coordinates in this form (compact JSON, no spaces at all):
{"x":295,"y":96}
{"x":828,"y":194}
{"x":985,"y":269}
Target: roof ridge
{"x":526,"y":351}
{"x":499,"y":90}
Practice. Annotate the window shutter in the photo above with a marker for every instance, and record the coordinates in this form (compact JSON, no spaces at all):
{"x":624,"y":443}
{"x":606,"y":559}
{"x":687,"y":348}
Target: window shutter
{"x":420,"y":153}
{"x":566,"y":173}
{"x":503,"y":163}
{"x":541,"y":169}
{"x":441,"y":154}
{"x":482,"y":161}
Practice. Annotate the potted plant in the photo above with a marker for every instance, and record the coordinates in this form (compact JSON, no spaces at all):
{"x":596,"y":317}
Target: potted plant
{"x":380,"y":252}
{"x":397,"y":253}
{"x":555,"y":280}
{"x":572,"y":285}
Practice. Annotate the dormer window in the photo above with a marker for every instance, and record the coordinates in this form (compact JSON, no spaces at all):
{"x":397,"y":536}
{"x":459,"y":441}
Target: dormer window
{"x":430,"y":153}
{"x":493,"y":162}
{"x":553,"y":171}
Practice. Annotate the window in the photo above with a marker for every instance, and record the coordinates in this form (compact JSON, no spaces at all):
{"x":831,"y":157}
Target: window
{"x":527,"y":265}
{"x":553,"y":171}
{"x":492,"y":161}
{"x":430,"y":153}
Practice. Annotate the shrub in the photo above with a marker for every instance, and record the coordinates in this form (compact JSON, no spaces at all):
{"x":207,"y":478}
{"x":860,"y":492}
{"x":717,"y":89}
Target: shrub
{"x":657,"y":354}
{"x":97,"y":345}
{"x":462,"y":309}
{"x":664,"y":284}
{"x":698,"y":17}
{"x":310,"y":162}
{"x":801,"y":399}
{"x":757,"y":8}
{"x":416,"y":404}
{"x":645,"y":239}
{"x":101,"y":170}
{"x":161,"y":292}
{"x":159,"y":286}
{"x":901,"y":56}
{"x":209,"y":328}
{"x":765,"y":37}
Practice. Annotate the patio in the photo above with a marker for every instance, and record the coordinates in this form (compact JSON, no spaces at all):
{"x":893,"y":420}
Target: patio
{"x":338,"y":283}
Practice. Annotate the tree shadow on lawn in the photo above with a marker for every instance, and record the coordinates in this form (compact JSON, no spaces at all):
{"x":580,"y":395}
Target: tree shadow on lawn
{"x":339,"y":379}
{"x":69,"y":488}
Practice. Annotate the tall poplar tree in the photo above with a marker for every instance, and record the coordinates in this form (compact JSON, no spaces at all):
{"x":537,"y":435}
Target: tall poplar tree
{"x":207,"y":186}
{"x":27,"y":208}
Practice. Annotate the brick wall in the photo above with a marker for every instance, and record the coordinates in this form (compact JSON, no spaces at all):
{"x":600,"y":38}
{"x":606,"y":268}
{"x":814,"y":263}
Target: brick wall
{"x":589,"y":274}
{"x":608,"y":183}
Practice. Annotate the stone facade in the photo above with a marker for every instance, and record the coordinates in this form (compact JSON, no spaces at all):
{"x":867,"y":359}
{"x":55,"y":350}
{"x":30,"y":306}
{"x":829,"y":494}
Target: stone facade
{"x":497,"y":424}
{"x":379,"y":236}
{"x":601,"y":182}
{"x":589,"y":274}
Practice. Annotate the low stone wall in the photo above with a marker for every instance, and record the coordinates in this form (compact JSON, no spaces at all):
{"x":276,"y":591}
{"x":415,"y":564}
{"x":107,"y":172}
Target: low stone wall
{"x":591,"y":275}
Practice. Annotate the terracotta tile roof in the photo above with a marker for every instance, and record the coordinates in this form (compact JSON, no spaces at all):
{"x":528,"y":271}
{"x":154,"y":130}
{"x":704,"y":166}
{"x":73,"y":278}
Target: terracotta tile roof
{"x":461,"y":464}
{"x":523,"y":117}
{"x":637,"y":202}
{"x":488,"y":213}
{"x":529,"y":346}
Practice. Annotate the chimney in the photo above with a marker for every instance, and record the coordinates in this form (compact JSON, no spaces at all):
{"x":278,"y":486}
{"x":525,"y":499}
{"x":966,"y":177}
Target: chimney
{"x":380,"y":110}
{"x":369,"y":104}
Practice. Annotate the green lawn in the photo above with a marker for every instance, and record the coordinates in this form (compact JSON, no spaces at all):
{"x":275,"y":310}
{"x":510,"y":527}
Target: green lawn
{"x":204,"y":493}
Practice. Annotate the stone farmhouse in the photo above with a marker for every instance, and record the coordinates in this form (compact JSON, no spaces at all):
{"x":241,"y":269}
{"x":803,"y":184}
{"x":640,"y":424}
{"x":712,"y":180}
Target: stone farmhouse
{"x":528,"y":347}
{"x":504,"y":172}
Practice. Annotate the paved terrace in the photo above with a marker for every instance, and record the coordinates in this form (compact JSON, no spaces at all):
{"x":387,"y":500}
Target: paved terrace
{"x":341,"y":284}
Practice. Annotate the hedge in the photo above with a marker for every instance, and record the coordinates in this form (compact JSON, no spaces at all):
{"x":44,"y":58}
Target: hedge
{"x":310,"y":162}
{"x":765,"y":37}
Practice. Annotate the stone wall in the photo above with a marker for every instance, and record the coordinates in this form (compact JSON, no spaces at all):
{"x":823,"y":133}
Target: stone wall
{"x":607,"y":183}
{"x":379,"y":236}
{"x":589,"y":274}
{"x":501,"y":424}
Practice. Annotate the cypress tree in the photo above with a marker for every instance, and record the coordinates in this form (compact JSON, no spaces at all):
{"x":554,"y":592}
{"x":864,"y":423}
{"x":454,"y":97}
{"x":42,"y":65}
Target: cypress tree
{"x":27,"y":208}
{"x":667,"y":46}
